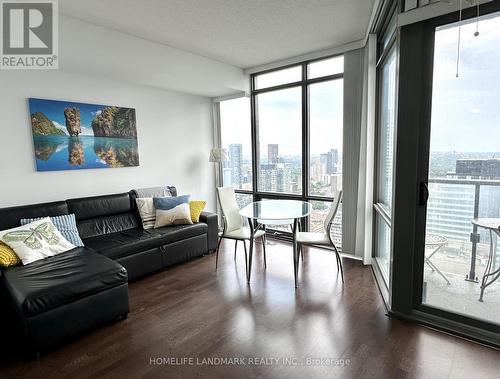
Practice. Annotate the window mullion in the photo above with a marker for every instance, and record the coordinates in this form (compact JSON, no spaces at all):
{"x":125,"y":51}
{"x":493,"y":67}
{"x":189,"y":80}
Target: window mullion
{"x":305,"y":138}
{"x":255,"y":142}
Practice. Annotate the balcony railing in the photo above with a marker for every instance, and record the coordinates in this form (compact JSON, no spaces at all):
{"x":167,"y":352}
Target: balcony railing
{"x":452,"y":205}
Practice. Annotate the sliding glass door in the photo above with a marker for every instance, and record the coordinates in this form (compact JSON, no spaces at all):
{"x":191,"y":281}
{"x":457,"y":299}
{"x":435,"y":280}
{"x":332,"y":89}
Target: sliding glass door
{"x":462,"y":246}
{"x":446,"y":199}
{"x":436,"y":224}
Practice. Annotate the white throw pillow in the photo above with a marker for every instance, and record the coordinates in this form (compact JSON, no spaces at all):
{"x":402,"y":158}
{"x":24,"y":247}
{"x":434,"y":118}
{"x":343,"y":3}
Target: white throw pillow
{"x":179,"y":215}
{"x":147,"y":211}
{"x":37,"y":240}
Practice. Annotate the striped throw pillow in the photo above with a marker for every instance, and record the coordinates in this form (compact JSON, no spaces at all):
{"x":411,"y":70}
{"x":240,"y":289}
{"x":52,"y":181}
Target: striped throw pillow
{"x":66,"y":224}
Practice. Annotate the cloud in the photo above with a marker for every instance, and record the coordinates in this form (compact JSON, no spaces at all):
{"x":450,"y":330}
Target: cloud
{"x":60,"y":127}
{"x":97,"y":113}
{"x":86,"y":131}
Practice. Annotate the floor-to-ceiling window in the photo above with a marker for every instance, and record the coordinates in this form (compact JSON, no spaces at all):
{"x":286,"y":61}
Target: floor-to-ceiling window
{"x":293,"y":147}
{"x":298,"y":125}
{"x":386,"y":119}
{"x":235,"y":138}
{"x":325,"y":137}
{"x":279,"y":135}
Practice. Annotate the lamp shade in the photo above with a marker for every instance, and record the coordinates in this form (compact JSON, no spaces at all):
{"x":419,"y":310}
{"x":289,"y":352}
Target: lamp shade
{"x":218,"y":155}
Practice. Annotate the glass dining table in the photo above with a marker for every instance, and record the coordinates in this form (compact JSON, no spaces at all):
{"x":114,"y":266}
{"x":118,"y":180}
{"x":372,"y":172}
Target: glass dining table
{"x":272,"y":212}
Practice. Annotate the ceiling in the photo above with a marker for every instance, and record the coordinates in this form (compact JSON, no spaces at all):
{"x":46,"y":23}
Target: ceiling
{"x":243,"y":33}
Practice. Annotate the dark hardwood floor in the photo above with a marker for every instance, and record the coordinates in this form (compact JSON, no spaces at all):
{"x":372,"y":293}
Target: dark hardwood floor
{"x":192,"y":311}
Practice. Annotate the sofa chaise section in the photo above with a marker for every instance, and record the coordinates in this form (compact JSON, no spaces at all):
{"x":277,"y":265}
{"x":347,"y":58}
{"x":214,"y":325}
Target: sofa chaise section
{"x":65,"y":295}
{"x":59,"y":297}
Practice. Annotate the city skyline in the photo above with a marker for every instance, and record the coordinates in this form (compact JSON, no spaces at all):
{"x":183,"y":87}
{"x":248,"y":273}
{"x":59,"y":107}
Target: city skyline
{"x":281,"y":174}
{"x":280,"y":120}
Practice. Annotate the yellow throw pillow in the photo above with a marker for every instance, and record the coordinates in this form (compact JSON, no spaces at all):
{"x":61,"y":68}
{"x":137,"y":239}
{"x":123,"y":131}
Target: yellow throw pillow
{"x":196,"y":207}
{"x":7,"y":256}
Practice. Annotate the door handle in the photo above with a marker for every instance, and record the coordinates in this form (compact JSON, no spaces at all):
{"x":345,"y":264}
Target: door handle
{"x":423,"y":194}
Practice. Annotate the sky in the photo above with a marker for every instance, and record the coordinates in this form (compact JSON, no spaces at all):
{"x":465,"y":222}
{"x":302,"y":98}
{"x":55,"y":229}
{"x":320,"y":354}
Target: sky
{"x":54,"y":110}
{"x":235,"y":124}
{"x":466,"y":110}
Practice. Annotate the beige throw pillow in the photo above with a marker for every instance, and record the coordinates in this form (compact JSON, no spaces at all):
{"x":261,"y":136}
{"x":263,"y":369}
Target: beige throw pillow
{"x":179,"y":215}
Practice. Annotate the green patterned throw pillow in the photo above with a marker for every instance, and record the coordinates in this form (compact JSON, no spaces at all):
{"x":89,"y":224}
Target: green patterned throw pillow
{"x":37,"y":240}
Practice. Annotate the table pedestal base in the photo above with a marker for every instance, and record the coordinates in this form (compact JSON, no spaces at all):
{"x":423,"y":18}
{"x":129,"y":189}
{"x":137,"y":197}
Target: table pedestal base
{"x":489,"y":272}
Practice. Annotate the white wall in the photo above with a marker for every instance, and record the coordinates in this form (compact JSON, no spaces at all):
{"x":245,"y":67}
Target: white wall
{"x":174,"y":133}
{"x":89,"y":49}
{"x":103,"y":66}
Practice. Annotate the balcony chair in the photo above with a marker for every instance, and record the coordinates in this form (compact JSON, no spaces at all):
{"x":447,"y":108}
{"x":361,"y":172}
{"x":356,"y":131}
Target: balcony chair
{"x":233,"y":224}
{"x":324,"y":238}
{"x":433,"y":244}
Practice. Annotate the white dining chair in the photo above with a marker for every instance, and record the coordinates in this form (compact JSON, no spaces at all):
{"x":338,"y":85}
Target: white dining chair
{"x":324,"y":238}
{"x":234,"y":228}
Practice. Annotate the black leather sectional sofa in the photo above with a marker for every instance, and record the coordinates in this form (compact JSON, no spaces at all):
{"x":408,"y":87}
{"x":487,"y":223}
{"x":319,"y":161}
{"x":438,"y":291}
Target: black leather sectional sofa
{"x":62,"y":296}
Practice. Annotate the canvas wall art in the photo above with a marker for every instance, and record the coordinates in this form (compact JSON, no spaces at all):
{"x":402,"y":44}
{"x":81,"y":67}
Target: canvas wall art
{"x":71,"y":136}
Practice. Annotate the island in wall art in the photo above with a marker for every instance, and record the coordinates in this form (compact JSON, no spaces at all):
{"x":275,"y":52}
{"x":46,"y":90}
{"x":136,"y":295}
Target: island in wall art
{"x":71,"y":136}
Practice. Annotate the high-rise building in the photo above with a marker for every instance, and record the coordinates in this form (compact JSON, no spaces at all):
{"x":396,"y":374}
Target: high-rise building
{"x":235,"y":164}
{"x":317,"y":172}
{"x":486,"y":169}
{"x":332,"y":161}
{"x":450,"y":210}
{"x":451,"y":206}
{"x":268,"y":177}
{"x":335,"y":181}
{"x":323,"y":160}
{"x":283,"y":178}
{"x":275,"y":178}
{"x":272,"y":153}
